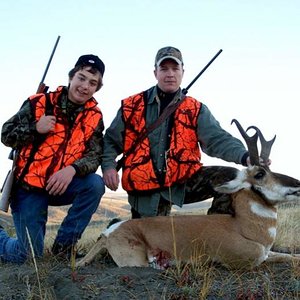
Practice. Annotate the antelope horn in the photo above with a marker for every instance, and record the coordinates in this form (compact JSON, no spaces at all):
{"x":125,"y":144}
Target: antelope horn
{"x":251,"y":142}
{"x":265,"y":145}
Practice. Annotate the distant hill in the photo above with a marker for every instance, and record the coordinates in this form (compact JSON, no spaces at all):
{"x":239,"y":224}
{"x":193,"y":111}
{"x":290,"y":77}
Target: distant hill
{"x":112,"y":205}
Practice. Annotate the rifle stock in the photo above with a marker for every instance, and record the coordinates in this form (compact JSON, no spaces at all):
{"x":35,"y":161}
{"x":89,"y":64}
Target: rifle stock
{"x":8,"y":184}
{"x":42,"y":88}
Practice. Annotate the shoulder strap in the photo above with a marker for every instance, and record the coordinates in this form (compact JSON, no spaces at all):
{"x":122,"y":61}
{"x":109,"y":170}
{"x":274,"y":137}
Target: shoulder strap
{"x":48,"y":111}
{"x":165,"y":114}
{"x":49,"y":106}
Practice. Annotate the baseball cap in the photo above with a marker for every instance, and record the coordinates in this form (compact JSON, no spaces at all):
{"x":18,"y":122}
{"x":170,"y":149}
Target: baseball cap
{"x":91,"y":60}
{"x":168,"y":53}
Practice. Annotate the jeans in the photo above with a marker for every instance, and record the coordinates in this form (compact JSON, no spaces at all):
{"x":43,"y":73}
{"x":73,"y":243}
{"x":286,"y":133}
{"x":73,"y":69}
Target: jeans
{"x":30,"y":213}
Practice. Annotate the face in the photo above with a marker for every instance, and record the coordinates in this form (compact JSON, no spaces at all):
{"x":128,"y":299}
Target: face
{"x":83,"y":85}
{"x":169,"y":76}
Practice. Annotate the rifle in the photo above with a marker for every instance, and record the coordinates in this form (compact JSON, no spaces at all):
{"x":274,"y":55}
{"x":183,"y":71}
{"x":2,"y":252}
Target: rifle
{"x":42,"y":88}
{"x":185,"y":91}
{"x":166,"y":113}
{"x":9,"y":180}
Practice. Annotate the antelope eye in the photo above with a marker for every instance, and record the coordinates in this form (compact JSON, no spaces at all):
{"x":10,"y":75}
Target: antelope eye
{"x":260,"y":174}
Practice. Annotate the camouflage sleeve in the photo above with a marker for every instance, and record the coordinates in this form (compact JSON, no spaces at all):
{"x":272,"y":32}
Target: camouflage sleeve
{"x":91,"y":158}
{"x":20,"y":129}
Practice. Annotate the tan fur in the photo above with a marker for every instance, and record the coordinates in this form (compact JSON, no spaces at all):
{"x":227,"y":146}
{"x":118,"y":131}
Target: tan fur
{"x":242,"y":241}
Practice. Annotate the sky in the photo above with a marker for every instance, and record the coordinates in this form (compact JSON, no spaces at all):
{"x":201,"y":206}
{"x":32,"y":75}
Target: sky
{"x":255,"y":79}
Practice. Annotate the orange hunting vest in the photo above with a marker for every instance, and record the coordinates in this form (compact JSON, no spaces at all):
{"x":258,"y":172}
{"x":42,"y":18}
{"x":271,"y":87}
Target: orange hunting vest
{"x":61,"y":147}
{"x":183,"y":156}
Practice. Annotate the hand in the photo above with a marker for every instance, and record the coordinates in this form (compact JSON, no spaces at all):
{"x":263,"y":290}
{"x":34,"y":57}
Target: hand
{"x":45,"y":124}
{"x":60,"y":180}
{"x":111,"y":179}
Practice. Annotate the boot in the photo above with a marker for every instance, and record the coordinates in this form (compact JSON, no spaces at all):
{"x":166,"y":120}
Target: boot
{"x":65,"y":251}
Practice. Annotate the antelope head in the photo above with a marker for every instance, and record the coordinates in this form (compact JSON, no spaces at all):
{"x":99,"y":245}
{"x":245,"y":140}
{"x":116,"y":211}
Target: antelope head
{"x":273,"y":187}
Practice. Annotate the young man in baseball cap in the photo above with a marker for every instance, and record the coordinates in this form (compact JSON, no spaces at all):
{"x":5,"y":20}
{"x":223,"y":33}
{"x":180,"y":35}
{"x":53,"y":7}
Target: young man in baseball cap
{"x":59,"y":140}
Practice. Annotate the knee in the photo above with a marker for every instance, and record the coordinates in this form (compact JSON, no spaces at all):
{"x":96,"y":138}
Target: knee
{"x":97,"y":184}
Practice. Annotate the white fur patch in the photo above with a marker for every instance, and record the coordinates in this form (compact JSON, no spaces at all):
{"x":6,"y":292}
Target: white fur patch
{"x":274,"y":193}
{"x":279,"y":193}
{"x":234,"y":185}
{"x":112,"y":228}
{"x":272,"y":232}
{"x":262,"y":211}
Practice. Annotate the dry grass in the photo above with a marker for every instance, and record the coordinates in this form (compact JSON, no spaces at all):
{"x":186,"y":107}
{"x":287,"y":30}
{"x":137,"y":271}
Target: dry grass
{"x":288,"y":229}
{"x":103,"y":280}
{"x":276,"y":281}
{"x":279,"y":281}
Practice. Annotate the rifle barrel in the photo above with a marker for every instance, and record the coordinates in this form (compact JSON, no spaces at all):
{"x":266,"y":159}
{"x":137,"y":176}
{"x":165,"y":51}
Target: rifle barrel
{"x":185,"y":91}
{"x":50,"y":59}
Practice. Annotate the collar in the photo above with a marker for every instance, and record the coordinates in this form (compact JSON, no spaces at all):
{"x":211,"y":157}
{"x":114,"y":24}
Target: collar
{"x":153,"y":95}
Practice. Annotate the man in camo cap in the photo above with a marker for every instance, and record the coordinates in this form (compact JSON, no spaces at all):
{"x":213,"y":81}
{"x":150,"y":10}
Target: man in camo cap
{"x":164,"y":168}
{"x":168,"y":53}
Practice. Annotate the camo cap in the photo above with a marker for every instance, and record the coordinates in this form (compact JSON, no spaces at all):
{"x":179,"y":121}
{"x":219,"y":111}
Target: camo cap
{"x":168,"y":53}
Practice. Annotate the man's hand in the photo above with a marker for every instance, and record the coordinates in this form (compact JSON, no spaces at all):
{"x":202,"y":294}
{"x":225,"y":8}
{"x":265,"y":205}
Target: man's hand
{"x":111,"y":179}
{"x":45,"y":124}
{"x":59,"y":181}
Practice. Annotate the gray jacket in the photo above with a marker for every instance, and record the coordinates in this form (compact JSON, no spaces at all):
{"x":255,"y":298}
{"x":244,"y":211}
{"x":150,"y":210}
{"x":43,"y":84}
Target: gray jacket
{"x":213,"y":140}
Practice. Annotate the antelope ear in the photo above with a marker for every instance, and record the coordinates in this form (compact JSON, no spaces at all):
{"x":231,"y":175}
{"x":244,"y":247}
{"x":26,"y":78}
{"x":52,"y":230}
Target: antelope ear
{"x":234,"y":185}
{"x":227,"y":188}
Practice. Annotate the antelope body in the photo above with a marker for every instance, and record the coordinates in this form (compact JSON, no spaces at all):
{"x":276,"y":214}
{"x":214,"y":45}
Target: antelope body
{"x":240,"y":241}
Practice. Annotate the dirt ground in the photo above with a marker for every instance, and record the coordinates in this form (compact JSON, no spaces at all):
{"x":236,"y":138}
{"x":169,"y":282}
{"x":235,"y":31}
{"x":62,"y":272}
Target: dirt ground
{"x":53,"y":279}
{"x":104,"y":280}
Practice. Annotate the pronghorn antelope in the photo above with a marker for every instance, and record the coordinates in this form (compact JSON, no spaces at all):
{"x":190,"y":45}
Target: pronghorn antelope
{"x":240,"y":241}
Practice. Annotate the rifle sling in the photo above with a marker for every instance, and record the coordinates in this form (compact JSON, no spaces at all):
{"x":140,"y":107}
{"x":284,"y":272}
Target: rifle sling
{"x":165,"y":114}
{"x":48,"y":111}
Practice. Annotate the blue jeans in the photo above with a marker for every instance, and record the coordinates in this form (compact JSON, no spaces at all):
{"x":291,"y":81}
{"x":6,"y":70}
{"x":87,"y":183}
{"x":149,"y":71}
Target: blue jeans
{"x":30,"y":210}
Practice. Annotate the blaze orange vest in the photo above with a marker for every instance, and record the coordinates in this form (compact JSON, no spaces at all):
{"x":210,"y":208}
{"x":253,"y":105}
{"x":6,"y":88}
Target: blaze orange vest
{"x":183,"y":156}
{"x":61,"y":147}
